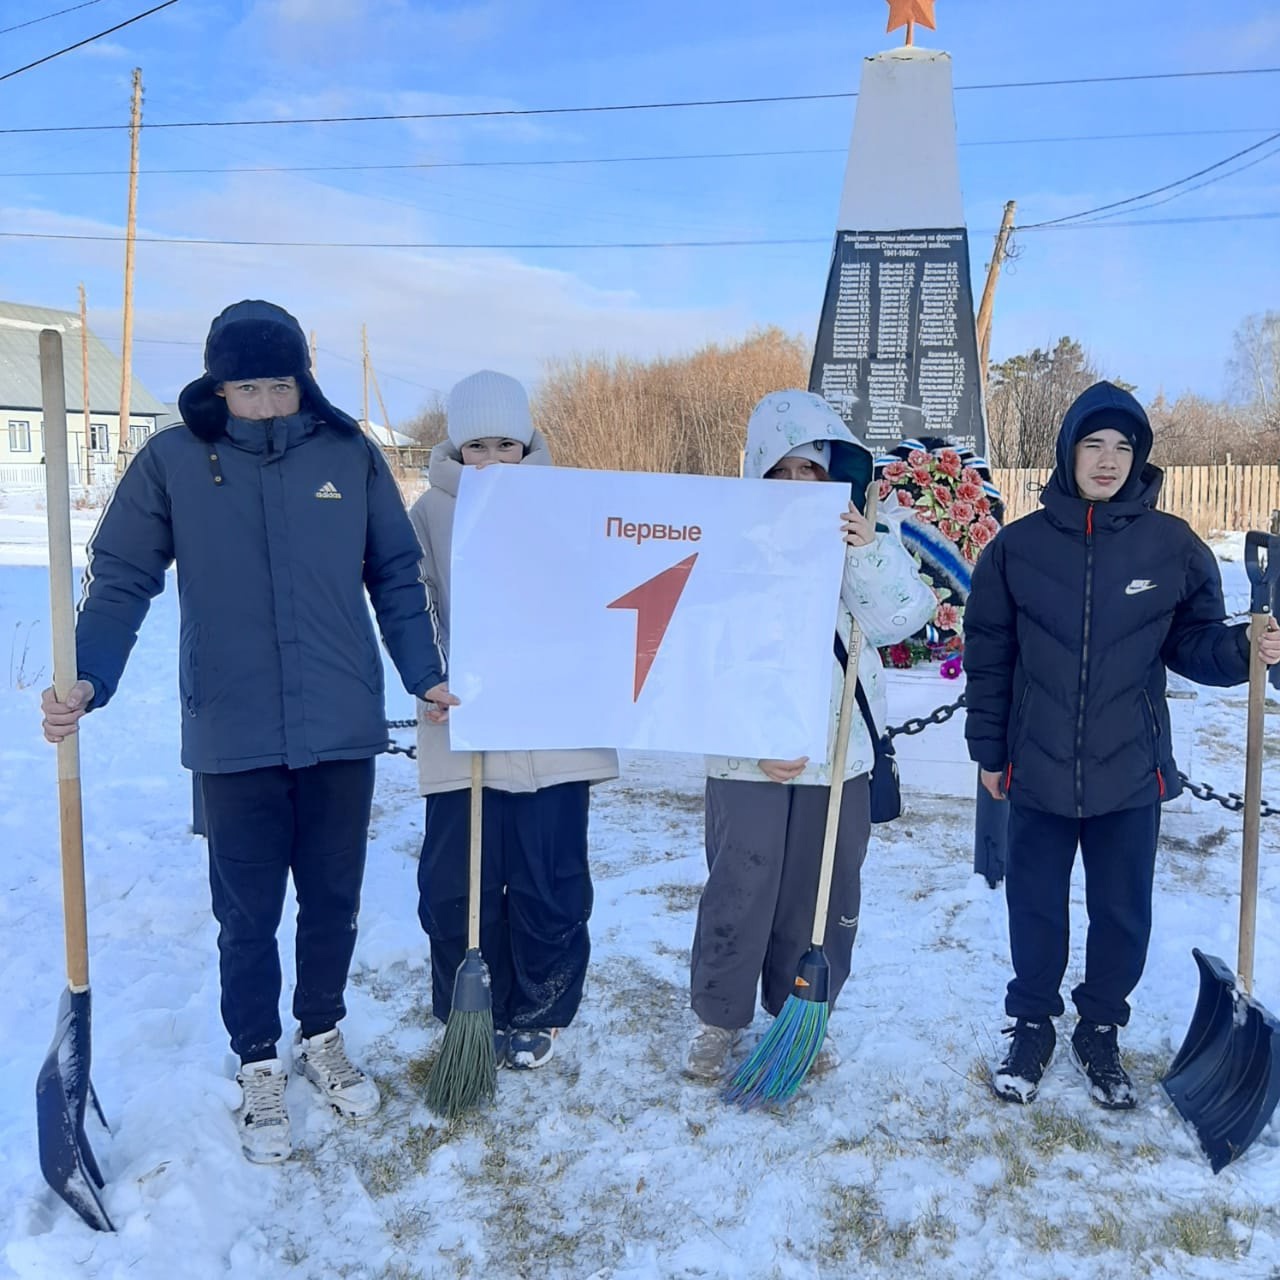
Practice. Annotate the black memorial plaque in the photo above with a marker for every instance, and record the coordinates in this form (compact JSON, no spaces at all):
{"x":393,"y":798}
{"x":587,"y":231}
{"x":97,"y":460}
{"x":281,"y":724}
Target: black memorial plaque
{"x":897,"y":354}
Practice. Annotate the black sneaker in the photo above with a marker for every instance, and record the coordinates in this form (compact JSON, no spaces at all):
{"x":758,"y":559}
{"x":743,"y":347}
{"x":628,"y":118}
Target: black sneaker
{"x":1095,"y":1051}
{"x":1017,"y":1078}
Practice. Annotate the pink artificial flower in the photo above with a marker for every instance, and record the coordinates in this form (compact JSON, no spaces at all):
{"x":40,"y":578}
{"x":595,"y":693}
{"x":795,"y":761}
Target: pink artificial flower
{"x":962,"y":511}
{"x":895,"y":470}
{"x":970,"y":476}
{"x":950,"y":529}
{"x":949,"y":462}
{"x":952,"y":667}
{"x":981,"y":533}
{"x":917,"y":458}
{"x":923,"y":513}
{"x":947,"y":617}
{"x":905,"y":499}
{"x":990,"y":524}
{"x":968,"y":492}
{"x":942,"y":495}
{"x":886,"y":488}
{"x":922,"y":475}
{"x":982,"y":506}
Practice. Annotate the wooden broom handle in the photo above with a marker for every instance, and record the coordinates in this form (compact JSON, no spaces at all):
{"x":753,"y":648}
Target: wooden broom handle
{"x":1252,"y":802}
{"x":65,"y":673}
{"x":473,"y":882}
{"x":840,"y":754}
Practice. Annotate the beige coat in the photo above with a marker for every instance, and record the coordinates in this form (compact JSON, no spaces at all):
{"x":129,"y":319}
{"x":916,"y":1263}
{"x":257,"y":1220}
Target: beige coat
{"x":439,"y":768}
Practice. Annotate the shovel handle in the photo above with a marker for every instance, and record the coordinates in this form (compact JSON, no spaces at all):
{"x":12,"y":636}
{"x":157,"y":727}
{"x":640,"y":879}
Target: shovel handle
{"x":1252,"y":800}
{"x":62,"y":619}
{"x":839,"y":755}
{"x":474,"y":832}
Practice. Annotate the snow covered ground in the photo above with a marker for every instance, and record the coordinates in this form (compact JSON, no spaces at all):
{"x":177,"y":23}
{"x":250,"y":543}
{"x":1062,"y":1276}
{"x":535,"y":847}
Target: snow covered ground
{"x":607,"y":1164}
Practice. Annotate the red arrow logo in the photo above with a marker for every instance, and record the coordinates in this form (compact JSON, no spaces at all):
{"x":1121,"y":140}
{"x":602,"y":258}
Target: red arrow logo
{"x":654,"y":602}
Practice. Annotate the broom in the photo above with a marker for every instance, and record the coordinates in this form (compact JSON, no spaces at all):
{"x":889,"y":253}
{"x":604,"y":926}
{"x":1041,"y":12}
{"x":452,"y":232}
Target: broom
{"x":465,"y":1071}
{"x":776,"y":1068}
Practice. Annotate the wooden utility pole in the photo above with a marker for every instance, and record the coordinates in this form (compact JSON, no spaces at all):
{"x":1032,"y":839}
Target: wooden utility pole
{"x":84,"y":386}
{"x":382,"y":408}
{"x":312,"y":344}
{"x":126,"y":352}
{"x":989,"y":292}
{"x":364,"y":363}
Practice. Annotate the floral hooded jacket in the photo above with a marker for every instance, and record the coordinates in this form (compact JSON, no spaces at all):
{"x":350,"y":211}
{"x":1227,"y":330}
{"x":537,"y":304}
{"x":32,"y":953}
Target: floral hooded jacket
{"x":881,"y":587}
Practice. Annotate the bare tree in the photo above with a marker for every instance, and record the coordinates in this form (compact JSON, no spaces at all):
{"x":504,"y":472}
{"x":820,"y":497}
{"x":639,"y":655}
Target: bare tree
{"x":430,"y":424}
{"x":683,"y":414}
{"x":1254,"y":368}
{"x":1027,"y":397}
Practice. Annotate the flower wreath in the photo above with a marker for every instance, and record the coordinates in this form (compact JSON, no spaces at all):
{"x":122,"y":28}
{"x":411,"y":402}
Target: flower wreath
{"x":953,"y":511}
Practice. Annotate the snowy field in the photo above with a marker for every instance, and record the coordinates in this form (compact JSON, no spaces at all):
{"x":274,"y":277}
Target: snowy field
{"x":607,"y":1164}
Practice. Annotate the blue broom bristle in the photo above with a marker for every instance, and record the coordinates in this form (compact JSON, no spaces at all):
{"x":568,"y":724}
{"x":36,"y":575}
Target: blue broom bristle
{"x":779,"y":1063}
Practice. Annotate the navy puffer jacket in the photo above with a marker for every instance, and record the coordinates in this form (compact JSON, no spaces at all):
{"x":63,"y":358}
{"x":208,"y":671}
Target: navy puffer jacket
{"x":1075,"y":614}
{"x":278,"y":529}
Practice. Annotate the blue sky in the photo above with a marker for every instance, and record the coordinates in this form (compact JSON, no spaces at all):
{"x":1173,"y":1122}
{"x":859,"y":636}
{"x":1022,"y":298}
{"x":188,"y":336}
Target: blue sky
{"x":1156,"y":305}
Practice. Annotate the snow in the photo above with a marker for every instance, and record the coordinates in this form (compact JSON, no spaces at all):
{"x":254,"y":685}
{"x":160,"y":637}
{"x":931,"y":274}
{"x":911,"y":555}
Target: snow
{"x":607,"y":1164}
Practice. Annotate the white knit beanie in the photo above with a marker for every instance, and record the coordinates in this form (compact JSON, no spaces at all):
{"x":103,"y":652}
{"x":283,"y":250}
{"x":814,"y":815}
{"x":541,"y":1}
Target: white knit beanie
{"x":818,"y":451}
{"x":489,"y":404}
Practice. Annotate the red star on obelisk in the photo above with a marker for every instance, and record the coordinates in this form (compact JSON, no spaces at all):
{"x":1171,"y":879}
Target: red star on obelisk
{"x":906,"y":13}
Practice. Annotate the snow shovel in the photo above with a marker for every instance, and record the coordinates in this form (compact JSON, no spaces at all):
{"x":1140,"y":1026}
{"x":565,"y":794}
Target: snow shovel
{"x":1225,"y":1080}
{"x":63,"y":1087}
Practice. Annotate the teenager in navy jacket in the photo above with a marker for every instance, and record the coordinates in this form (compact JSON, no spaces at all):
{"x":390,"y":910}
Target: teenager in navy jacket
{"x":1076,"y":613}
{"x":284,"y":522}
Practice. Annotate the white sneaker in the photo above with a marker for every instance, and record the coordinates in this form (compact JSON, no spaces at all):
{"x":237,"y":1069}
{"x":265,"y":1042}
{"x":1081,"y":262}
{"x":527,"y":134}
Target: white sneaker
{"x":262,"y":1120}
{"x":708,"y":1054}
{"x":323,"y":1060}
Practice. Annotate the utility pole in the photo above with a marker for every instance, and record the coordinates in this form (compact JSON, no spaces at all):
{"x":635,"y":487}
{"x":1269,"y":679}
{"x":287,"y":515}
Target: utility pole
{"x":989,"y":292}
{"x":126,"y":352}
{"x":382,"y":408}
{"x":364,"y":363}
{"x":84,"y":387}
{"x":312,"y":344}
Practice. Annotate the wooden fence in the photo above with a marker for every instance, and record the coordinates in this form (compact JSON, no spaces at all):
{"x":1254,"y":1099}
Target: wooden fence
{"x":1226,"y":497}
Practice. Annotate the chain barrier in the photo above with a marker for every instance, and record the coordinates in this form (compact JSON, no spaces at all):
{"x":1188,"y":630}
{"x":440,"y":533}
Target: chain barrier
{"x":1232,"y":801}
{"x":919,"y":724}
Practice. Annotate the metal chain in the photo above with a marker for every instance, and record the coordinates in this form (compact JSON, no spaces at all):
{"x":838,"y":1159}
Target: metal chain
{"x":920,"y":723}
{"x":1231,"y":801}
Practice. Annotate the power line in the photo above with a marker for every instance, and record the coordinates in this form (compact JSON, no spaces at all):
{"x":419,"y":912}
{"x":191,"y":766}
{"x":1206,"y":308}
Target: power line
{"x":594,"y":160}
{"x":31,"y":22}
{"x":624,"y":106}
{"x":79,"y":44}
{"x":1155,"y":191}
{"x":763,"y":242}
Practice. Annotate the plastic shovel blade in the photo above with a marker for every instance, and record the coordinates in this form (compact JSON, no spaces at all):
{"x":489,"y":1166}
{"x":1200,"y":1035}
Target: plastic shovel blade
{"x":1225,"y":1080}
{"x":62,"y":1092}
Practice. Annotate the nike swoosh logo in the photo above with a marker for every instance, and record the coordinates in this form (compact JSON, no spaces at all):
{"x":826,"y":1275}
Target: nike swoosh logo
{"x":1136,"y":588}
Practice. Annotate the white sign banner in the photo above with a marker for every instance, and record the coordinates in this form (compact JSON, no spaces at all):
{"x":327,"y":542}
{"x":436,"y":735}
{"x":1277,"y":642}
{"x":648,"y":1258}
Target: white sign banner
{"x":661,"y":612}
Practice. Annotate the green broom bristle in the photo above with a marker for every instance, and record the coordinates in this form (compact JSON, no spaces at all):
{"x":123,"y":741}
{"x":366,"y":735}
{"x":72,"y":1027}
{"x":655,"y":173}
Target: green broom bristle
{"x":778,"y":1065}
{"x":465,"y":1071}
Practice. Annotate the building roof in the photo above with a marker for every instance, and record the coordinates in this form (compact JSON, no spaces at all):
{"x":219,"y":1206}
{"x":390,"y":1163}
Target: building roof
{"x":20,"y":364}
{"x":387,"y":437}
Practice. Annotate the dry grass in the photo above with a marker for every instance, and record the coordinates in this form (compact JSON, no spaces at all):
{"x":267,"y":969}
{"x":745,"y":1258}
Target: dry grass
{"x":686,"y":414}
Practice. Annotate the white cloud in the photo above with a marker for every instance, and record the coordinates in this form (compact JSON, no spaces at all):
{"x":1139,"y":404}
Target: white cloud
{"x":433,"y":316}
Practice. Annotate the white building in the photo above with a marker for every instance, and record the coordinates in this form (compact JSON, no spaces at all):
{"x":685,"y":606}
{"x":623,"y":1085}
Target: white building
{"x":92,"y":449}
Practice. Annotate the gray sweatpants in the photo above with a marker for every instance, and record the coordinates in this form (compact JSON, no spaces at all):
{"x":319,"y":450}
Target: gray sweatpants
{"x":764,"y":849}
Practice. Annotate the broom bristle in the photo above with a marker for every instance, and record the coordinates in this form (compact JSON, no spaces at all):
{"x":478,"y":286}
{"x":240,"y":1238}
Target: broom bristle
{"x":779,"y":1063}
{"x":465,"y":1072}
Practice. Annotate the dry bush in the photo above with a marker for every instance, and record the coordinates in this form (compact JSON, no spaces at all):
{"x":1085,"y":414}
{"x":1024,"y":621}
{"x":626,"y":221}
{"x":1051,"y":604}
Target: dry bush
{"x":1195,"y":431}
{"x":682,"y":414}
